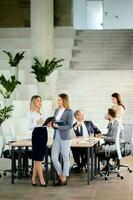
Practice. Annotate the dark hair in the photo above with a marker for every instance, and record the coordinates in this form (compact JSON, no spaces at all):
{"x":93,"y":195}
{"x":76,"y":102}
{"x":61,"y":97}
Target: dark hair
{"x":112,"y":112}
{"x":118,"y":97}
{"x":76,"y":113}
{"x":65,"y":100}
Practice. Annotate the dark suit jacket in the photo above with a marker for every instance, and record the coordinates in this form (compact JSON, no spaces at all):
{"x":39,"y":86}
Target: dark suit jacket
{"x":91,"y":128}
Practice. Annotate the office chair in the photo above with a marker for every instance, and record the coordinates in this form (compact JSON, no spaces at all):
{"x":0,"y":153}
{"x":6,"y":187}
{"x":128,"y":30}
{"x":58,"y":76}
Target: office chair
{"x":128,"y":148}
{"x":6,"y":150}
{"x":108,"y":154}
{"x":2,"y":148}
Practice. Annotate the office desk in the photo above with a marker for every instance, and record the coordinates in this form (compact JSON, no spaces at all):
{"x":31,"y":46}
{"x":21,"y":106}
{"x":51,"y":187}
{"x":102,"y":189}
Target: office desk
{"x":88,"y":143}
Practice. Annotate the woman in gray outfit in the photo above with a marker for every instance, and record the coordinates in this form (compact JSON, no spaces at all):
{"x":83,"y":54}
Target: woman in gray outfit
{"x":63,"y":122}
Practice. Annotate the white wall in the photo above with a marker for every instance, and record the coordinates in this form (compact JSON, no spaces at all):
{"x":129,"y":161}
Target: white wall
{"x":121,"y":8}
{"x":111,"y":9}
{"x":79,"y":14}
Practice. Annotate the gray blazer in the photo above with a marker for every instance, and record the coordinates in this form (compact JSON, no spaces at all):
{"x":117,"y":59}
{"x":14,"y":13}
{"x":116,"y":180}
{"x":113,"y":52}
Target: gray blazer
{"x":65,"y":130}
{"x":112,"y":132}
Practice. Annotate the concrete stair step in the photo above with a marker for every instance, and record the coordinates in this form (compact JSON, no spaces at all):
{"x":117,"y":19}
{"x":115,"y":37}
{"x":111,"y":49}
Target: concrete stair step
{"x":101,"y":58}
{"x":109,"y":41}
{"x":15,"y":43}
{"x":14,"y":33}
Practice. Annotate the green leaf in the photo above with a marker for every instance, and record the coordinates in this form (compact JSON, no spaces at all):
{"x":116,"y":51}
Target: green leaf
{"x":8,"y":86}
{"x":5,"y":113}
{"x":43,"y":69}
{"x":14,"y":61}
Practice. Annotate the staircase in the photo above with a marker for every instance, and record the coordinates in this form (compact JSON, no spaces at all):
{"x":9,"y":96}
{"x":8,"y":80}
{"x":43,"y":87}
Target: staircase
{"x":103,"y":49}
{"x":101,"y":64}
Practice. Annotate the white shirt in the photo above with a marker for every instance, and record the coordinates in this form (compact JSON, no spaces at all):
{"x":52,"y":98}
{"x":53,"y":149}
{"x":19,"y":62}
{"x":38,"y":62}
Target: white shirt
{"x":85,"y":131}
{"x":119,"y":111}
{"x":33,"y":117}
{"x":59,"y":114}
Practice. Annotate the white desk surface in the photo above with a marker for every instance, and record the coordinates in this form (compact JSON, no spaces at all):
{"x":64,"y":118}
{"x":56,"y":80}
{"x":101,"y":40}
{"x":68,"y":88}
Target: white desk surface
{"x":76,"y":142}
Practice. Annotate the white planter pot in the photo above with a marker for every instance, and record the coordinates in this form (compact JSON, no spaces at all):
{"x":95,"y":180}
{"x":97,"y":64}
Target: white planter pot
{"x":1,"y":134}
{"x":7,"y":102}
{"x":43,"y":90}
{"x":1,"y":141}
{"x":52,"y":78}
{"x":14,"y":72}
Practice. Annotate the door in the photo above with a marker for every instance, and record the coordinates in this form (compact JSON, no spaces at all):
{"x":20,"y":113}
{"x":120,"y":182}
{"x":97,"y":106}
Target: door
{"x":94,"y":18}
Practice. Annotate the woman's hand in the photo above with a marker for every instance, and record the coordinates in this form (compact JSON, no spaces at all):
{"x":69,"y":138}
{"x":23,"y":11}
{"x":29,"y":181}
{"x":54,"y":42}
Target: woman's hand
{"x":40,"y":121}
{"x":49,"y":124}
{"x":55,"y":125}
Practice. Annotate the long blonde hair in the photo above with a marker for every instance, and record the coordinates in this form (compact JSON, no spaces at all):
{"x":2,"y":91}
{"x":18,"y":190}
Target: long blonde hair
{"x":65,"y":100}
{"x":32,"y":102}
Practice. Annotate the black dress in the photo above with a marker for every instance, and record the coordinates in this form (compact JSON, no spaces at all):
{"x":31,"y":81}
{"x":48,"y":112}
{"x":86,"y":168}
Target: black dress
{"x":39,"y":142}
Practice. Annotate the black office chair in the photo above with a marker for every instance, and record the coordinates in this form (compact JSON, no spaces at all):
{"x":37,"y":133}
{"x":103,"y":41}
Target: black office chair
{"x":111,"y":154}
{"x":109,"y":168}
{"x":128,"y":147}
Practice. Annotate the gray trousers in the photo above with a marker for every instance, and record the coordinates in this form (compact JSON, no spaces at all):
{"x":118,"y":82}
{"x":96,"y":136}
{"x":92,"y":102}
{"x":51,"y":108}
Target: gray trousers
{"x":61,"y":147}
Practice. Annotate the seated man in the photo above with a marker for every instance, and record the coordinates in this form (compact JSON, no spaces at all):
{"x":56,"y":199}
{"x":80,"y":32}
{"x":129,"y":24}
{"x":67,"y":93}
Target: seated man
{"x":114,"y":125}
{"x":110,"y":138}
{"x":82,"y":129}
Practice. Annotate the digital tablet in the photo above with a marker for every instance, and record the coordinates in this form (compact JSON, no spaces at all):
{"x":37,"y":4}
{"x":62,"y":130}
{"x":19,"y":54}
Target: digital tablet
{"x":48,"y":120}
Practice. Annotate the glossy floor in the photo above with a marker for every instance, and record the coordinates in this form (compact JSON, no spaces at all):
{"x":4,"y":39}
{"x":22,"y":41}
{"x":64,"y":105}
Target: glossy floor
{"x":113,"y":189}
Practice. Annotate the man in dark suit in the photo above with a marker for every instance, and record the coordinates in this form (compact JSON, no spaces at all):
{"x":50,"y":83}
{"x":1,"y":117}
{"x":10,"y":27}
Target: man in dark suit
{"x":82,"y":128}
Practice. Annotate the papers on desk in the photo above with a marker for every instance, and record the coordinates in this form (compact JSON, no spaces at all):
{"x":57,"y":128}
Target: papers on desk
{"x":87,"y":140}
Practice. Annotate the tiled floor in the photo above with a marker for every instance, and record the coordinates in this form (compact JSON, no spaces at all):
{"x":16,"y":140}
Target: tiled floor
{"x":113,"y":189}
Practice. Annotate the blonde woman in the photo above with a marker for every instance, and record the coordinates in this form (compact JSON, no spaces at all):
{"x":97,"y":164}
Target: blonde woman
{"x":62,"y":138}
{"x":39,"y":139}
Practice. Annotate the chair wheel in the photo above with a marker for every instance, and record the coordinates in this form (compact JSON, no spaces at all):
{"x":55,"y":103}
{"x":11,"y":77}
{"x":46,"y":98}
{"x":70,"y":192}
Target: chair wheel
{"x":101,"y":174}
{"x":118,"y":175}
{"x":130,"y":171}
{"x":122,"y":177}
{"x":4,"y":174}
{"x":106,"y":177}
{"x":0,"y":175}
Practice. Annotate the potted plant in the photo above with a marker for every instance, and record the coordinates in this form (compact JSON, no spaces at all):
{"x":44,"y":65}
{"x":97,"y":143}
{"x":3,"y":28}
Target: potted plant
{"x":42,"y":70}
{"x":4,"y":114}
{"x":14,"y":61}
{"x":8,"y":86}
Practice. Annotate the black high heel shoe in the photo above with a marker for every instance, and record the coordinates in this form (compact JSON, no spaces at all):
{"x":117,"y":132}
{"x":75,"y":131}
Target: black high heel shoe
{"x":43,"y":185}
{"x":33,"y":184}
{"x":61,"y":183}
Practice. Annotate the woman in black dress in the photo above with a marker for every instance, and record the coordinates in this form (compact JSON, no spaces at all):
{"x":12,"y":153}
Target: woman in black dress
{"x":39,"y":138}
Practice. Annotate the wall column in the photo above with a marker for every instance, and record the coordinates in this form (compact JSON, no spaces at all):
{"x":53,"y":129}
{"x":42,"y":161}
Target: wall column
{"x":42,"y":27}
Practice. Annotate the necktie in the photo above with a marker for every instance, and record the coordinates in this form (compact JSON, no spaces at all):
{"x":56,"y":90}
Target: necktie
{"x":81,"y":131}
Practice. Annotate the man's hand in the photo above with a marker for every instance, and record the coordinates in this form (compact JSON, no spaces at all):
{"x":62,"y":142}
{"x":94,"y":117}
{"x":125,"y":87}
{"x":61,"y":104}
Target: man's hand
{"x":78,"y":124}
{"x":99,"y":135}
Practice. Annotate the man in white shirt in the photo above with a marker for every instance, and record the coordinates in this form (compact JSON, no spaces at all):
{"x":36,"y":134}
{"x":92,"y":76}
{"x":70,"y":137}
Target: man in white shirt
{"x":82,"y":128}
